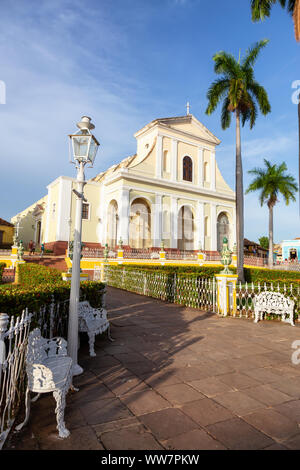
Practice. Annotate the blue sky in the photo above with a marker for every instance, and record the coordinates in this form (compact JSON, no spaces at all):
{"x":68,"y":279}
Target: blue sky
{"x":125,"y":63}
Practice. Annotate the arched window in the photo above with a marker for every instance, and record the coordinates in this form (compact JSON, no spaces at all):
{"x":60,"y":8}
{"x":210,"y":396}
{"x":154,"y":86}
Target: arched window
{"x":187,"y":169}
{"x":186,"y":228}
{"x":112,"y":224}
{"x":140,"y":224}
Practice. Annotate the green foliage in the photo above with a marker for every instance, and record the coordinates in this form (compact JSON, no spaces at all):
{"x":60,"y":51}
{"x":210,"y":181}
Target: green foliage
{"x":261,"y":9}
{"x":251,"y":274}
{"x":31,"y":274}
{"x":2,"y":266}
{"x":15,"y":298}
{"x":237,"y":89}
{"x":271,"y":181}
{"x":264,"y":242}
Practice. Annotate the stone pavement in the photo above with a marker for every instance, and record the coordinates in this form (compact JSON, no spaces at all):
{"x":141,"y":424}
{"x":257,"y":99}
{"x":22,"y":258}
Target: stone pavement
{"x":177,"y":378}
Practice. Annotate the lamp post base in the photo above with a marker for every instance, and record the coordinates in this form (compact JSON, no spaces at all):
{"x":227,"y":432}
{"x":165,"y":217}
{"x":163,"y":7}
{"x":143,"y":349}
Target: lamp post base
{"x":77,"y":370}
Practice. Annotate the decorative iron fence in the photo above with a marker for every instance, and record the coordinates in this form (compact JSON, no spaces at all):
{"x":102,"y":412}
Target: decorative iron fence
{"x":190,"y":291}
{"x":246,"y":292}
{"x":52,"y":319}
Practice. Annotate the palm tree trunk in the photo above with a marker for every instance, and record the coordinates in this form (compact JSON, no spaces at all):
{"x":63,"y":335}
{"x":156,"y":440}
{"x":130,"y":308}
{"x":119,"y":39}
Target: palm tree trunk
{"x":239,"y":201}
{"x":270,"y":236}
{"x":299,"y":145}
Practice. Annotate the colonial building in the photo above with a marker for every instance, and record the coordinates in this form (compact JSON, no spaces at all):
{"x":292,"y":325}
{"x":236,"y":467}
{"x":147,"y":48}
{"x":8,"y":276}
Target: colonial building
{"x":6,"y":234}
{"x":171,"y":190}
{"x":291,"y":250}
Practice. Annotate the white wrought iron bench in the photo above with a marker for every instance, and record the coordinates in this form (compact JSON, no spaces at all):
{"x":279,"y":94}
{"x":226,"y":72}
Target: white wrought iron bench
{"x":48,"y":369}
{"x":92,"y":321}
{"x":273,"y":303}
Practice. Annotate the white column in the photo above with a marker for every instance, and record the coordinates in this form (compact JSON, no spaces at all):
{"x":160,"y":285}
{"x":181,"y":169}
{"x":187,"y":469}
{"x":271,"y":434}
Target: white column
{"x":157,"y":229}
{"x":199,"y":225}
{"x":124,"y":215}
{"x":174,"y":158}
{"x":46,"y":236}
{"x":174,"y":222}
{"x":213,"y":227}
{"x":101,"y":223}
{"x":63,"y":210}
{"x":213,"y":170}
{"x":200,"y":166}
{"x":159,"y":148}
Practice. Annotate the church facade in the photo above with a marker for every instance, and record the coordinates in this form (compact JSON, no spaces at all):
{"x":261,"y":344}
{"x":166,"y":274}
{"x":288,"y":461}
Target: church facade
{"x":170,"y":191}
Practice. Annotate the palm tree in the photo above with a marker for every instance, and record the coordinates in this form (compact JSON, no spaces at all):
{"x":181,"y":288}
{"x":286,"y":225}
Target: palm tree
{"x":272,"y":181}
{"x":240,"y":94}
{"x":261,"y":9}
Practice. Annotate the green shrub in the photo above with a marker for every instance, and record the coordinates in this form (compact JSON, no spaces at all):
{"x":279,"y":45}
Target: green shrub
{"x":15,"y":298}
{"x":2,"y":266}
{"x":254,"y":275}
{"x":31,"y":274}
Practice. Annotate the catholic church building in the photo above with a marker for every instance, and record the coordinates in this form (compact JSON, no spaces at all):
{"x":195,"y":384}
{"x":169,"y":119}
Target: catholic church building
{"x":170,"y":191}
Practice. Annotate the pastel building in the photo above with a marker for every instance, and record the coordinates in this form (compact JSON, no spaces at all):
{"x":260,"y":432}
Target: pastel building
{"x":291,"y":250}
{"x":170,"y":190}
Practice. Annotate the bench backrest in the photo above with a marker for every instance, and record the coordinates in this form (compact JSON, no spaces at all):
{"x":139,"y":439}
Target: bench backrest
{"x":36,"y":347}
{"x":274,"y":300}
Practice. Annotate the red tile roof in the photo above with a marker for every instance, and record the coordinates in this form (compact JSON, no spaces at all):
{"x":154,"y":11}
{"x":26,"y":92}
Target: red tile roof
{"x":4,"y":222}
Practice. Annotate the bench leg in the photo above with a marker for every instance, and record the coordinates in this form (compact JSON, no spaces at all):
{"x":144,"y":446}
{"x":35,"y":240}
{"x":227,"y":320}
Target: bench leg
{"x":60,"y":397}
{"x":91,"y":343}
{"x":109,"y":336}
{"x":36,"y":397}
{"x":27,"y":404}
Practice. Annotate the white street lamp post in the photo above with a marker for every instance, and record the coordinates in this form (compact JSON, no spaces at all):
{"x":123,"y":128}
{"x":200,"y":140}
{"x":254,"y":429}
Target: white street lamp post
{"x":84,"y":149}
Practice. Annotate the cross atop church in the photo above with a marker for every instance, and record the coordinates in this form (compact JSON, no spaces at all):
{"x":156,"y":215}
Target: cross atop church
{"x":187,"y":108}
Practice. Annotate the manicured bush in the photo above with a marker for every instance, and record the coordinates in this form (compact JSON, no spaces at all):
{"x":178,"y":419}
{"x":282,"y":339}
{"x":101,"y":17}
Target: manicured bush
{"x":2,"y":266}
{"x":15,"y":298}
{"x":254,"y":275}
{"x":31,"y":274}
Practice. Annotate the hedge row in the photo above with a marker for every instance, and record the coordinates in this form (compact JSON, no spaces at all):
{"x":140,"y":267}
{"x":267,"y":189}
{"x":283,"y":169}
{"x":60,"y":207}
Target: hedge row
{"x":254,"y":275}
{"x":31,"y":274}
{"x":2,"y":266}
{"x":15,"y":298}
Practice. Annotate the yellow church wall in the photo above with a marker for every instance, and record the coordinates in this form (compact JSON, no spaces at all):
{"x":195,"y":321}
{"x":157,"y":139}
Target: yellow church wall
{"x":89,"y":226}
{"x":191,"y":151}
{"x":146,"y":166}
{"x":197,"y":137}
{"x":27,"y":222}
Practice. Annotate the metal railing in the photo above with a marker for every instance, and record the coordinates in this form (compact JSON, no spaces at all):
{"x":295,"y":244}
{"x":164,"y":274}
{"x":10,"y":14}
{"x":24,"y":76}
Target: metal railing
{"x":190,"y":291}
{"x":246,"y":292}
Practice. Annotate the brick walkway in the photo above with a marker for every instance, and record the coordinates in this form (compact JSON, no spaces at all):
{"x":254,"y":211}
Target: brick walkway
{"x":177,"y":378}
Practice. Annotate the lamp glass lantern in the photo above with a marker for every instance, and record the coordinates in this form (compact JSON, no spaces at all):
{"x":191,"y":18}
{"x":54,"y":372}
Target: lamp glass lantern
{"x":84,"y":144}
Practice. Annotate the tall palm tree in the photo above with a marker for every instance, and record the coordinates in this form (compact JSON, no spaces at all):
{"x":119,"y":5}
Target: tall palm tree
{"x":272,"y":181}
{"x":240,"y":94}
{"x":261,"y":9}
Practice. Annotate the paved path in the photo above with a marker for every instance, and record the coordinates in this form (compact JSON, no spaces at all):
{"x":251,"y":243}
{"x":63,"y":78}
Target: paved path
{"x":177,"y":378}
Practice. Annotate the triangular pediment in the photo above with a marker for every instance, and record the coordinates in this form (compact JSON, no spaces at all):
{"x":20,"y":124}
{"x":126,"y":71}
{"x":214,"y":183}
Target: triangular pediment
{"x":191,"y":126}
{"x":187,"y":126}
